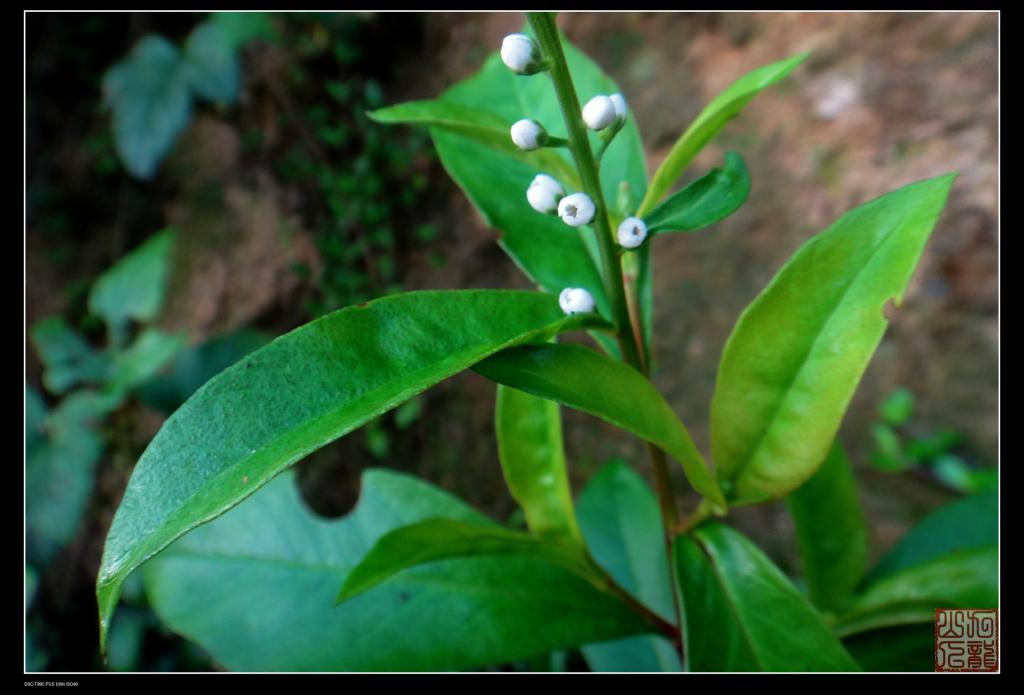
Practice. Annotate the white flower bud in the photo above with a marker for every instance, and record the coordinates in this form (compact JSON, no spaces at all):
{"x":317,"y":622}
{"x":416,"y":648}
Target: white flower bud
{"x":621,"y":110}
{"x":631,"y":232}
{"x":544,"y":193}
{"x":521,"y":54}
{"x":599,"y":112}
{"x":576,"y":300}
{"x":576,"y":209}
{"x":528,"y":135}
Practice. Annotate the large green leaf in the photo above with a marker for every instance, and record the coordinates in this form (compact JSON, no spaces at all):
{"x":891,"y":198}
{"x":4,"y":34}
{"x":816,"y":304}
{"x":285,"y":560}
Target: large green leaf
{"x":449,"y":614}
{"x":442,"y":539}
{"x":797,"y":353}
{"x":67,"y":358}
{"x":831,"y":531}
{"x":965,"y":524}
{"x":622,"y":525}
{"x":961,"y":579}
{"x":150,"y":96}
{"x":586,"y":380}
{"x":711,"y":198}
{"x":529,"y":431}
{"x":740,"y":613}
{"x":302,"y":391}
{"x":712,"y":119}
{"x":134,"y":287}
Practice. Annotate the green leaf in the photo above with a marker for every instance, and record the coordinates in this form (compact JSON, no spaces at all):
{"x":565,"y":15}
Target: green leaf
{"x":740,"y":613}
{"x":901,"y":648}
{"x":831,"y":531}
{"x":239,"y":28}
{"x":304,"y":390}
{"x":67,"y":359}
{"x":194,"y":366}
{"x":961,"y":579}
{"x":529,"y":431}
{"x":712,"y":119}
{"x":449,"y":614}
{"x":150,"y":351}
{"x":615,"y":392}
{"x":794,"y":359}
{"x":211,"y":62}
{"x":897,"y":408}
{"x":711,"y":198}
{"x":443,"y":539}
{"x":60,"y":466}
{"x":622,"y":525}
{"x":135,"y":286}
{"x":476,"y":124}
{"x":966,"y":524}
{"x":151,"y":101}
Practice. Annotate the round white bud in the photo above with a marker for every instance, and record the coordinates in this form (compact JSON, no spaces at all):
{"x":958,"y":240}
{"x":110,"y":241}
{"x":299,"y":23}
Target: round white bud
{"x":576,"y":300}
{"x":521,"y":54}
{"x":632,"y":232}
{"x":599,"y":112}
{"x":621,"y":110}
{"x":528,"y":135}
{"x":576,"y":209}
{"x":544,"y":193}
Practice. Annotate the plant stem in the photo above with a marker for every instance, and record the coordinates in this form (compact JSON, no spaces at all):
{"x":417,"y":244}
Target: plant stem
{"x":630,"y":330}
{"x":547,"y":35}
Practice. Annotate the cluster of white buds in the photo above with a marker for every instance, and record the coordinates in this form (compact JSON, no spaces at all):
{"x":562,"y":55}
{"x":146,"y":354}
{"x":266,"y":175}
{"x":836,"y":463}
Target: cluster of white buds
{"x":521,"y":54}
{"x":576,"y":300}
{"x":632,"y":232}
{"x":528,"y":134}
{"x":603,"y":111}
{"x":544,"y":193}
{"x":576,"y":210}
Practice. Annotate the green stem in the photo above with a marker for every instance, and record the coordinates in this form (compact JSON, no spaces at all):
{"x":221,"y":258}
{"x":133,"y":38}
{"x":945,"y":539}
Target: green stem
{"x":547,"y":35}
{"x":630,"y":331}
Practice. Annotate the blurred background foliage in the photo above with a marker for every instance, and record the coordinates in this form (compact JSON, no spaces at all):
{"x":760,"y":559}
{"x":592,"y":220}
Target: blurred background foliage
{"x":198,"y":184}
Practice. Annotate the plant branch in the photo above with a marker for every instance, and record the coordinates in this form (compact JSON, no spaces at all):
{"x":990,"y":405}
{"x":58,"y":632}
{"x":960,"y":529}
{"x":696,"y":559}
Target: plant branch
{"x":630,"y":331}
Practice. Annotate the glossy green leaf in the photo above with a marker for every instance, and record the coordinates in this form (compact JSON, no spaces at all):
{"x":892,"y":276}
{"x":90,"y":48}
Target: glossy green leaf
{"x":442,"y":539}
{"x":529,"y":431}
{"x":151,"y":101}
{"x":797,"y":353}
{"x":449,"y":614}
{"x":961,"y":579}
{"x":196,"y":365}
{"x":900,"y":648}
{"x":740,"y":613}
{"x":966,"y":524}
{"x":305,"y":389}
{"x":712,"y":119}
{"x":586,"y":380}
{"x":67,"y":359}
{"x":476,"y":124}
{"x":711,"y":198}
{"x":622,"y":526}
{"x":135,"y":286}
{"x":831,"y":531}
{"x":212,"y":64}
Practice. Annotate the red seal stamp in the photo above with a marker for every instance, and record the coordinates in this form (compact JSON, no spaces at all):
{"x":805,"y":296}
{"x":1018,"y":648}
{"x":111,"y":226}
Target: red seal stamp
{"x":966,"y":639}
